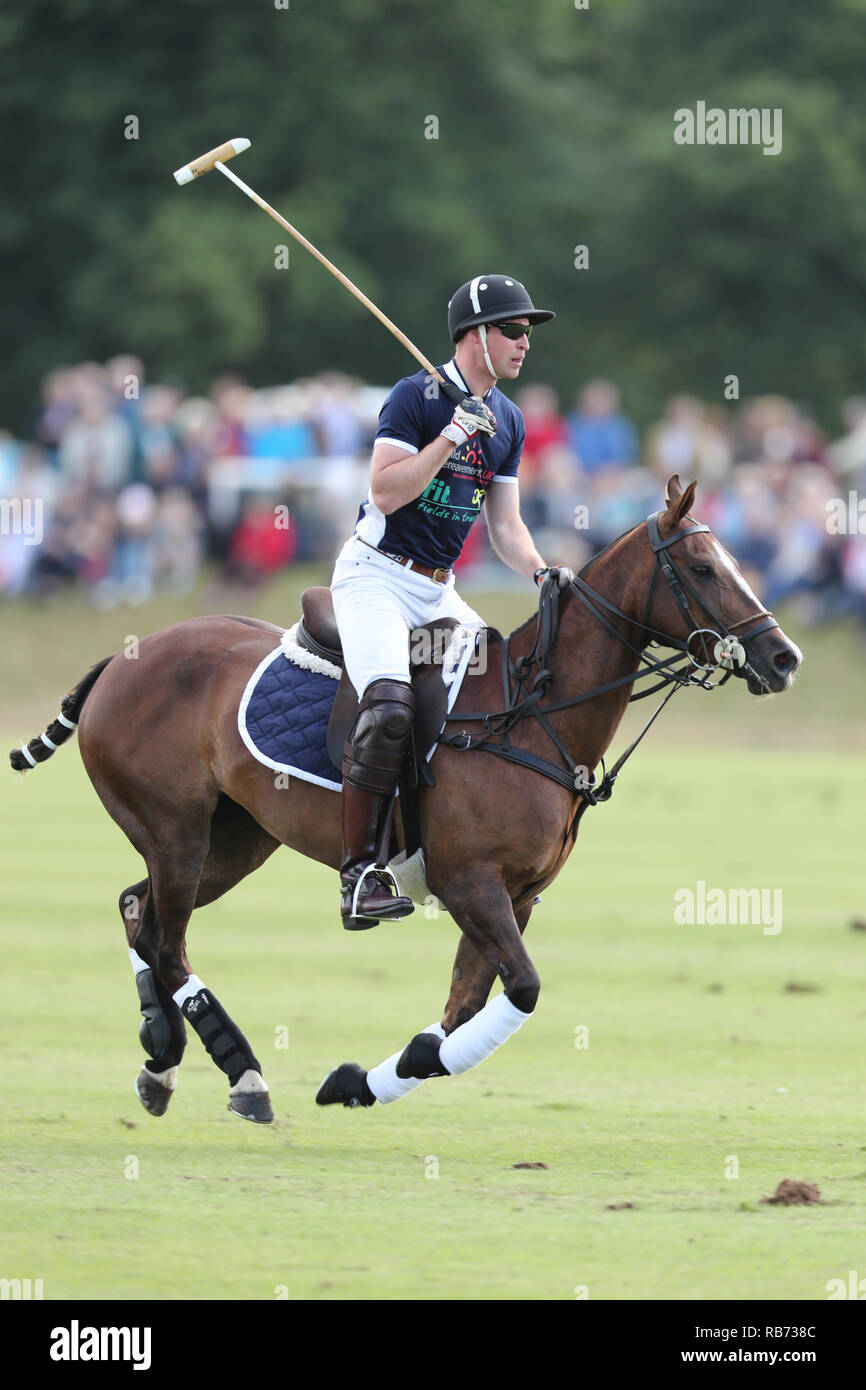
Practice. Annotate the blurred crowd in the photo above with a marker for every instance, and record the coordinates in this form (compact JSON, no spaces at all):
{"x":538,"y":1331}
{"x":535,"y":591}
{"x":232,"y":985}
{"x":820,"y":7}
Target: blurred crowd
{"x":128,"y":489}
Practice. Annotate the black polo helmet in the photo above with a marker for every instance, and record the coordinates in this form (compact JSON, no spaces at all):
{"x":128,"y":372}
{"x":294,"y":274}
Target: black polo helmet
{"x":487,"y":299}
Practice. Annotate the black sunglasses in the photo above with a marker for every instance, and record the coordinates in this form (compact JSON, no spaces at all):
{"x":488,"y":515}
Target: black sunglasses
{"x":514,"y":331}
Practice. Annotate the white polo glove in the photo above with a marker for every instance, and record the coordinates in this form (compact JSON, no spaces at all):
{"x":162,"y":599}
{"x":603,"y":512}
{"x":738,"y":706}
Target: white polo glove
{"x":560,"y":574}
{"x":470,"y":416}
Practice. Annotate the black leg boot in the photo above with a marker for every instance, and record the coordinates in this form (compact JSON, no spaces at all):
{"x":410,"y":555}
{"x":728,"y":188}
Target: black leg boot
{"x":376,"y":898}
{"x":374,"y":757}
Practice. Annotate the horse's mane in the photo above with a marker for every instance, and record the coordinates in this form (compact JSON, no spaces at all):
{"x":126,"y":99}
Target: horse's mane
{"x":533,"y":617}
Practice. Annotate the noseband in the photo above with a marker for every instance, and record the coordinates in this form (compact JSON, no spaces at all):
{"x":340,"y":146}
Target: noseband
{"x":678,"y":585}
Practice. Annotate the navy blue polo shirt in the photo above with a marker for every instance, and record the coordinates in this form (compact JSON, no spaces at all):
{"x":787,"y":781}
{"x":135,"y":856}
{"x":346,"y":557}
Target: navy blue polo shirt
{"x":432,"y":528}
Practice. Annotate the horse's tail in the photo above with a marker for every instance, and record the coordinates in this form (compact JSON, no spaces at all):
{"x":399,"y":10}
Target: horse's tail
{"x":59,"y":730}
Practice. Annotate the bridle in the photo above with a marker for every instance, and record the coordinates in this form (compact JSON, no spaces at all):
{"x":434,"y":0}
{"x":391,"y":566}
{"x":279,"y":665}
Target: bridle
{"x":677,"y":583}
{"x":527,"y":680}
{"x":679,"y":586}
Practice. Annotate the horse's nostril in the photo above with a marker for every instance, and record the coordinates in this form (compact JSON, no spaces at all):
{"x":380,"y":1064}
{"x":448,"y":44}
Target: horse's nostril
{"x":783,"y":661}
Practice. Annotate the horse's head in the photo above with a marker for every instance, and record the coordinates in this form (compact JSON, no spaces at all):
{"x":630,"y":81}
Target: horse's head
{"x":696,"y":587}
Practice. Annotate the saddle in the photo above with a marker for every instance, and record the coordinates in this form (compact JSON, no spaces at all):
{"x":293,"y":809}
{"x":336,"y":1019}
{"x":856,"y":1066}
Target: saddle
{"x":317,"y":632}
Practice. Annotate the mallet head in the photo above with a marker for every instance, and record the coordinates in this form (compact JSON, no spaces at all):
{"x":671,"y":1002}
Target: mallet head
{"x":207,"y":161}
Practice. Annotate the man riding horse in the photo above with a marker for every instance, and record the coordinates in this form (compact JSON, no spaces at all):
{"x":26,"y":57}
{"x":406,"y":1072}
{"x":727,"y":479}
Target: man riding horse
{"x":433,"y":466}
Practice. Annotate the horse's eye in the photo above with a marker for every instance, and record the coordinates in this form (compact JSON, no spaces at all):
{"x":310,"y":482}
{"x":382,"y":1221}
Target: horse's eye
{"x":702,"y":571}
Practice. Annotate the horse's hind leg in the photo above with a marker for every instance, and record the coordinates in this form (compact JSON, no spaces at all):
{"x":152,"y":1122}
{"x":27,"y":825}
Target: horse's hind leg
{"x":162,"y":1032}
{"x":237,"y":846}
{"x":174,"y":885}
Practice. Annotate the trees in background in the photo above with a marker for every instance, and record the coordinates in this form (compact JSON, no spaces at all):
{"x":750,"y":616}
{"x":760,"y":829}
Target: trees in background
{"x":416,"y":146}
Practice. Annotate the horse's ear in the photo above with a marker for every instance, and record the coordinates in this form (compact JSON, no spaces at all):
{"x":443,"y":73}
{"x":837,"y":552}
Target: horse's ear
{"x":678,"y":502}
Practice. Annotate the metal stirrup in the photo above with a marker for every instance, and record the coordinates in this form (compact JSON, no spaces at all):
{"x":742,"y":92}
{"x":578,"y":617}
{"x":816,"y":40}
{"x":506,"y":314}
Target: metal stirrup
{"x":372,"y":869}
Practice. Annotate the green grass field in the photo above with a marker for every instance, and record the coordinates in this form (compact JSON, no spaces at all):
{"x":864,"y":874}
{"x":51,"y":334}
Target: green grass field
{"x":697,"y":1052}
{"x":712,"y":1049}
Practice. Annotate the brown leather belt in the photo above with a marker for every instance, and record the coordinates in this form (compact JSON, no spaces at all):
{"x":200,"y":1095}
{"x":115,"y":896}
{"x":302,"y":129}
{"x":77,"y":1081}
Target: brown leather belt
{"x":439,"y":576}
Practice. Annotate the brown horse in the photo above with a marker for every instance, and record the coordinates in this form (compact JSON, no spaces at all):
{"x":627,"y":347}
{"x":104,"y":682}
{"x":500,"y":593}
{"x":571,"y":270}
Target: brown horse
{"x":159,"y":739}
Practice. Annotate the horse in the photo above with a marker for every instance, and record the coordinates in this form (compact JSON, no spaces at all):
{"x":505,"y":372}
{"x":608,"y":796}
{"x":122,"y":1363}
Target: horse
{"x":159,"y":740}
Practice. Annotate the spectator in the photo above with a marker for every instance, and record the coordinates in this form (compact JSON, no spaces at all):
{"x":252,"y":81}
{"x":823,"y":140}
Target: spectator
{"x":96,"y":447}
{"x":230,"y":396}
{"x":278,"y":430}
{"x":139,"y":486}
{"x":600,"y":435}
{"x":335,"y":417}
{"x":161,"y":457}
{"x":177,"y":542}
{"x":691,"y":441}
{"x":260,"y":547}
{"x":847,"y":457}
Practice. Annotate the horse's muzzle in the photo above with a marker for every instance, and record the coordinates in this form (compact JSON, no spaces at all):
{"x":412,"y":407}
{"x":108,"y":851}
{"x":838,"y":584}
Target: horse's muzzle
{"x":772,"y":662}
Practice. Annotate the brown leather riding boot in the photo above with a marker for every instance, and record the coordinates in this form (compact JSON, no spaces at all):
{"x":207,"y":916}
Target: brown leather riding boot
{"x":376,"y":898}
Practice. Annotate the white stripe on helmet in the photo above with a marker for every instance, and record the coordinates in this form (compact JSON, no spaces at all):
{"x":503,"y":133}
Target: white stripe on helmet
{"x":473,"y":293}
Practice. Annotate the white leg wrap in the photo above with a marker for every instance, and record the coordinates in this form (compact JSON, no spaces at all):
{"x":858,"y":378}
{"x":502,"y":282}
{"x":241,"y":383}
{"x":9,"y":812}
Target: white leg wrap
{"x":192,"y":986}
{"x":137,"y":963}
{"x":474,"y":1041}
{"x":168,"y":1078}
{"x":383,"y":1080}
{"x":248,"y":1083}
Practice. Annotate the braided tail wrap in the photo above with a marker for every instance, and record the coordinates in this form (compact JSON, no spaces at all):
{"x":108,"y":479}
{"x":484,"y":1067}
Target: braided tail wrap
{"x":61,"y":728}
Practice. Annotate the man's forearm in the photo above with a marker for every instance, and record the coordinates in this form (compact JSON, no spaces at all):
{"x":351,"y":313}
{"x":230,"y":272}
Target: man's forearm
{"x":516,"y":548}
{"x":401,"y":482}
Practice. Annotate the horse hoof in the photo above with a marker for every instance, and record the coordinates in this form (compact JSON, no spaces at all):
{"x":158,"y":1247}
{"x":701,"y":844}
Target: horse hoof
{"x":153,"y":1096}
{"x":252,"y":1105}
{"x":345,"y":1085}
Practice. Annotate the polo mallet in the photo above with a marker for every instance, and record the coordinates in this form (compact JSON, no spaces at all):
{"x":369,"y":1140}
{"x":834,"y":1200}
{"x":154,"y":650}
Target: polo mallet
{"x":215,"y":159}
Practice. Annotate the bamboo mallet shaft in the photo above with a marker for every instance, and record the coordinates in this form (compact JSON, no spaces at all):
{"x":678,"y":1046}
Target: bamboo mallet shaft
{"x":338,"y":274}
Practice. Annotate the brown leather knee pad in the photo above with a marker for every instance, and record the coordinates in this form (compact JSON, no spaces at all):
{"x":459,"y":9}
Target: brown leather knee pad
{"x":380,"y":735}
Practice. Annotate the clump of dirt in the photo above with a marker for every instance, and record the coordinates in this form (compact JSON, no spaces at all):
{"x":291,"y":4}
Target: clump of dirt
{"x":856,"y":924}
{"x":529,"y":1165}
{"x":792,"y":1193}
{"x":801,"y":987}
{"x":620,"y":1206}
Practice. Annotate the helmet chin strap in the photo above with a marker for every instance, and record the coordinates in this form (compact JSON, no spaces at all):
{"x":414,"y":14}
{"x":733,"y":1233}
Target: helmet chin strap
{"x":482,"y":333}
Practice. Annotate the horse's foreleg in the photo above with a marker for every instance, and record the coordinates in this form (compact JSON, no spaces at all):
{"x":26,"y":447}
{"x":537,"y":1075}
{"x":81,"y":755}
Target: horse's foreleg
{"x":471,"y":981}
{"x":162,"y":1032}
{"x":487,"y":918}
